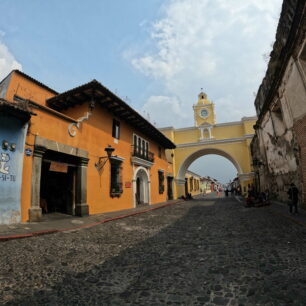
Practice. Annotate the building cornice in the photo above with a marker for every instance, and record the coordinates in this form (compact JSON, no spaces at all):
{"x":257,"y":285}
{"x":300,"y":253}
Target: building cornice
{"x":216,"y":141}
{"x":243,"y":119}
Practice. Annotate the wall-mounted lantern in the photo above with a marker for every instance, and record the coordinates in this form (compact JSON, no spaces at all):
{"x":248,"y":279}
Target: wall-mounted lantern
{"x":103,"y":159}
{"x":5,"y":144}
{"x":13,"y":147}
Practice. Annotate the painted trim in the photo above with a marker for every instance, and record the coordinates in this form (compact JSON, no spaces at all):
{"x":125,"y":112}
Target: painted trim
{"x":214,"y":125}
{"x":246,"y":176}
{"x":117,"y":158}
{"x":147,"y":171}
{"x":59,"y":147}
{"x":214,"y":141}
{"x":202,"y":152}
{"x":141,"y":162}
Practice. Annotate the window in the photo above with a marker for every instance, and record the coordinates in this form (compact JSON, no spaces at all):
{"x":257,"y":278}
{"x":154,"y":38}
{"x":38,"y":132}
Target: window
{"x":159,"y":151}
{"x":141,"y":148}
{"x":161,"y":178}
{"x":116,"y":129}
{"x":147,"y":150}
{"x":135,"y":143}
{"x":116,"y":178}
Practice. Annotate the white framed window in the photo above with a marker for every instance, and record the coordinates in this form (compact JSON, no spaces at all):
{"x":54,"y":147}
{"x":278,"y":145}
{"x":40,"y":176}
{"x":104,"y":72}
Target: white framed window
{"x":141,"y":146}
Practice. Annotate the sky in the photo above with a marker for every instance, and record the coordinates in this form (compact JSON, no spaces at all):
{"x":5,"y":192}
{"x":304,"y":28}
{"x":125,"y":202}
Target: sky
{"x":154,"y":54}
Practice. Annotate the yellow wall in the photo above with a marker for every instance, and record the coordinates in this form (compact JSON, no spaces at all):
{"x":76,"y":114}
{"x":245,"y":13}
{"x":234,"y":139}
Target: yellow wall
{"x":237,"y":149}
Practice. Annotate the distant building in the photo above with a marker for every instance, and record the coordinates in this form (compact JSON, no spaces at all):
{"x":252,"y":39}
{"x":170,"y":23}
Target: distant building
{"x":279,"y":147}
{"x":192,"y":183}
{"x":205,"y":184}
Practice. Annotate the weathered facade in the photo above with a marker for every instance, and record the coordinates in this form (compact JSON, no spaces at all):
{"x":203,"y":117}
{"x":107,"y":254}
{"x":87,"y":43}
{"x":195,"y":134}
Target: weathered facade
{"x":279,"y":147}
{"x":14,"y":119}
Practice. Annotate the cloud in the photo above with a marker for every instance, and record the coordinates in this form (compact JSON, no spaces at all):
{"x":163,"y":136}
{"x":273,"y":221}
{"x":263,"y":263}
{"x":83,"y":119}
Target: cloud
{"x":7,"y":60}
{"x":215,"y":44}
{"x":169,"y":106}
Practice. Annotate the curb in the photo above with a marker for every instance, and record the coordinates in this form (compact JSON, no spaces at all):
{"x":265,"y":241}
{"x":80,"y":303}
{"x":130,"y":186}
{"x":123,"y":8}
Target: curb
{"x":53,"y":231}
{"x":274,"y":212}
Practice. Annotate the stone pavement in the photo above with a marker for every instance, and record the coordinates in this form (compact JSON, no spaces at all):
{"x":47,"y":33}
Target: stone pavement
{"x":57,"y":222}
{"x":206,"y":251}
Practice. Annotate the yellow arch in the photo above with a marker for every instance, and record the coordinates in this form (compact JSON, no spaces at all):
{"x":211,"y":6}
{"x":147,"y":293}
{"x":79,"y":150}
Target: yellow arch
{"x":202,"y":152}
{"x":230,"y":140}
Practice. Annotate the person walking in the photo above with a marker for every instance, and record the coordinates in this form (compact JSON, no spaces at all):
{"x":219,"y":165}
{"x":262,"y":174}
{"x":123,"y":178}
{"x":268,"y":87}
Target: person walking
{"x":293,"y":194}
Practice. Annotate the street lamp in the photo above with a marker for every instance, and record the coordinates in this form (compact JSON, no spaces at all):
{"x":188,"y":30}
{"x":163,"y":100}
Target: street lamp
{"x":109,"y":151}
{"x":103,"y":159}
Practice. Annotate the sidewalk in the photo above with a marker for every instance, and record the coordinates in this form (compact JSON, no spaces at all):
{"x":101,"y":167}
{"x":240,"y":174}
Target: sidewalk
{"x":281,"y":209}
{"x":55,"y":223}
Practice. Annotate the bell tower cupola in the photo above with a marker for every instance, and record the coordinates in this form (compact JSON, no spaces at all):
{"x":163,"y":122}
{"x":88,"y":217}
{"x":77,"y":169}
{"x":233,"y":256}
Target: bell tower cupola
{"x":204,"y":111}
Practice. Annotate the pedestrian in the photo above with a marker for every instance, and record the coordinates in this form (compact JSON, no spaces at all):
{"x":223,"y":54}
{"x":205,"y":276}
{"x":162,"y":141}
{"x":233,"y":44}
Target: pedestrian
{"x":293,"y":194}
{"x":226,"y":192}
{"x":217,"y":190}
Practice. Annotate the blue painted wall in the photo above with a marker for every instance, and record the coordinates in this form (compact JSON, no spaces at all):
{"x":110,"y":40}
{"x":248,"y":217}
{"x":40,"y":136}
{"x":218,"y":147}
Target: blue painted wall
{"x":11,"y":163}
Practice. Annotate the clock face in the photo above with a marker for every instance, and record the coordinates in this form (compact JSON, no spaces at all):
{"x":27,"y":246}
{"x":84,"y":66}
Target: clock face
{"x":204,"y":113}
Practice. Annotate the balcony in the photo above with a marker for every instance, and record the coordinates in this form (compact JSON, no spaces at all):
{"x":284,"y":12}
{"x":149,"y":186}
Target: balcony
{"x":142,"y":153}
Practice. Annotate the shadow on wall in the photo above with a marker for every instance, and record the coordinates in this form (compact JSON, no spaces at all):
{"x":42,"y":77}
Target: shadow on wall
{"x":187,"y":262}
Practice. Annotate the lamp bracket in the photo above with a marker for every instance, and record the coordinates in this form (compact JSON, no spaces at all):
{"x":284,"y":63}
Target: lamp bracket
{"x":101,"y":163}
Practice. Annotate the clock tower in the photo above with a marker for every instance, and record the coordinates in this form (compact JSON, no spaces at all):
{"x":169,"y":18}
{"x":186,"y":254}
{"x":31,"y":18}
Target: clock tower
{"x":204,"y":111}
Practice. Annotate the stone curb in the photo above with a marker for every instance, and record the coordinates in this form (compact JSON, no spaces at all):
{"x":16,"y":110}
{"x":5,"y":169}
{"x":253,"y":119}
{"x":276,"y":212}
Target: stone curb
{"x":53,"y":231}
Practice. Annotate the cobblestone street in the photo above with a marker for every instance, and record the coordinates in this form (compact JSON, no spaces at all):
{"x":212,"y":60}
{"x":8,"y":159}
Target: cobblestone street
{"x":201,"y":252}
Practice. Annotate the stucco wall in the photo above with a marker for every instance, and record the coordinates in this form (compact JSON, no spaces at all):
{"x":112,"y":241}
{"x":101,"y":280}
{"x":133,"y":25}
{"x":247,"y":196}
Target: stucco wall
{"x":13,"y":131}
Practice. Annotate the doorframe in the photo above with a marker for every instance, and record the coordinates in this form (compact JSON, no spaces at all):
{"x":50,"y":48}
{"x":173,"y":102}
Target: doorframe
{"x":135,"y":184}
{"x":40,"y":147}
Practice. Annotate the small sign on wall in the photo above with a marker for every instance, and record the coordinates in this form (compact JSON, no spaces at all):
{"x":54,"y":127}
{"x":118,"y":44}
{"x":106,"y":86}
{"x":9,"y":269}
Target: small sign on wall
{"x":128,"y":184}
{"x":58,"y":167}
{"x":28,"y":152}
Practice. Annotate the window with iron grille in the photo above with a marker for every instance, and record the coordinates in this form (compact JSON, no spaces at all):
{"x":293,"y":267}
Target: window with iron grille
{"x":141,"y":148}
{"x":116,"y":178}
{"x":161,"y":182}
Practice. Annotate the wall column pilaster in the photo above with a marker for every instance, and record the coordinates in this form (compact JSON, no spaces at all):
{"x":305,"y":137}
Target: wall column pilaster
{"x":81,"y":206}
{"x":35,"y":212}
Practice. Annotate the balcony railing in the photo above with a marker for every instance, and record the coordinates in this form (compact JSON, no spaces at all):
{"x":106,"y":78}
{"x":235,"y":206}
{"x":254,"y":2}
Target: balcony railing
{"x":142,"y":153}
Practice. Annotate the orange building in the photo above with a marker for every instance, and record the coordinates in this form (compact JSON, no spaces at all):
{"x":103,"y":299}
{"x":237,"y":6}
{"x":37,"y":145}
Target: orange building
{"x":86,"y":151}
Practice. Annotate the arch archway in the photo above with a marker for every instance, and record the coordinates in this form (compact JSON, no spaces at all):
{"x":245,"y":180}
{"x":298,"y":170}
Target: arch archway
{"x":202,"y":152}
{"x":141,"y":187}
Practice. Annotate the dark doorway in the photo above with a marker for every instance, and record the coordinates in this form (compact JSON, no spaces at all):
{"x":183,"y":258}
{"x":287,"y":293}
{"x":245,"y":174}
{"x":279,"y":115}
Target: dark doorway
{"x":169,"y":188}
{"x":186,"y":187}
{"x":57,"y":189}
{"x":138,"y":183}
